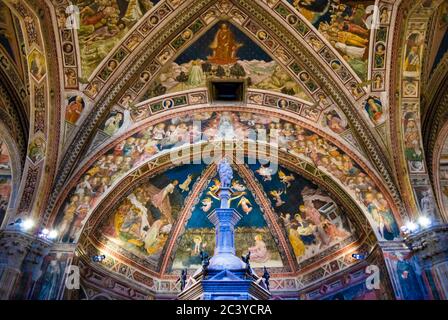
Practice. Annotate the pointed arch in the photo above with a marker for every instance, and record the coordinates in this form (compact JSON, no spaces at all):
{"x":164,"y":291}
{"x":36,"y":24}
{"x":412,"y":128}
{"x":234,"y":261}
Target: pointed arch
{"x":44,"y":90}
{"x":164,"y":116}
{"x":111,"y":92}
{"x":365,"y":242}
{"x":410,"y":164}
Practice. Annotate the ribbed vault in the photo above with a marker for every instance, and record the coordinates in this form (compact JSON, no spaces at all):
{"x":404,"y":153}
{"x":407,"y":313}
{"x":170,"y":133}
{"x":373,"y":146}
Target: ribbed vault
{"x":113,"y":89}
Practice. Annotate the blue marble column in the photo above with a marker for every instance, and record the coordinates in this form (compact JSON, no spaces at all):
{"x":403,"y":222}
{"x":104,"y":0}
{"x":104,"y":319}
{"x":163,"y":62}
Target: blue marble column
{"x":225,"y":219}
{"x":226,"y":276}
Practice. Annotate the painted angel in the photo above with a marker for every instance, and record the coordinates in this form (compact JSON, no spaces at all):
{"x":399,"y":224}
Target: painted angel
{"x":236,"y":195}
{"x":245,"y":205}
{"x":185,"y":186}
{"x":237,"y":186}
{"x":277,"y":195}
{"x":207,"y":204}
{"x":286,"y":179}
{"x":265,"y":172}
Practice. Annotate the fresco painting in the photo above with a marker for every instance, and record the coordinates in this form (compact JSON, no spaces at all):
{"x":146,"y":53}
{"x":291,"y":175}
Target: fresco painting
{"x":374,"y":109}
{"x":183,"y":130}
{"x":36,"y":149}
{"x":103,"y":102}
{"x":143,"y":220}
{"x":344,"y":25}
{"x":312,"y":221}
{"x":408,"y":280}
{"x":74,"y":109}
{"x":252,"y":233}
{"x":334,"y":121}
{"x":224,"y":52}
{"x":103,"y":23}
{"x":113,"y":123}
{"x":5,"y":179}
{"x":36,"y":64}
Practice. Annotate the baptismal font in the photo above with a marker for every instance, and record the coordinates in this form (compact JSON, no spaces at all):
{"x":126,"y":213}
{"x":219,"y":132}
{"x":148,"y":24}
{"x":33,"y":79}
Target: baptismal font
{"x":224,"y":276}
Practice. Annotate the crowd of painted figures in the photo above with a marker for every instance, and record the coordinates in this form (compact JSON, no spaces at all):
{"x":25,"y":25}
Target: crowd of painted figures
{"x":138,"y":148}
{"x":310,"y":232}
{"x":139,"y":227}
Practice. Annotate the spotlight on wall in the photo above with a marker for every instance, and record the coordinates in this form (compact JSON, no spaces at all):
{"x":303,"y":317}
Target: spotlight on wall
{"x":47,"y":234}
{"x":412,"y":226}
{"x":359,"y":256}
{"x":27,"y":224}
{"x":98,"y":258}
{"x":52,"y":234}
{"x":424,"y":221}
{"x":24,"y":225}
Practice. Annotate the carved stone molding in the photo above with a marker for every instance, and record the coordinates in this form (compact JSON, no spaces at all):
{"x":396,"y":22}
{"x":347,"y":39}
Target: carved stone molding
{"x":14,"y":247}
{"x":430,"y":245}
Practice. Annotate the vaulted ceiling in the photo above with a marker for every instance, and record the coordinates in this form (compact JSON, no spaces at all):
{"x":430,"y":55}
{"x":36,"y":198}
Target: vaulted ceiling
{"x":118,"y":89}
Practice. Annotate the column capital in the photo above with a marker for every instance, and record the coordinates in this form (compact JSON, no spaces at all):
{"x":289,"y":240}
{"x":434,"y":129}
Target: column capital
{"x":16,"y":245}
{"x":430,"y":245}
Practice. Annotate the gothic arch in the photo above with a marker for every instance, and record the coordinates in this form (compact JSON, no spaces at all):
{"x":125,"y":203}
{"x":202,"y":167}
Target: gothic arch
{"x":339,"y":95}
{"x":286,"y":116}
{"x":88,"y":241}
{"x":43,"y":92}
{"x":410,"y":165}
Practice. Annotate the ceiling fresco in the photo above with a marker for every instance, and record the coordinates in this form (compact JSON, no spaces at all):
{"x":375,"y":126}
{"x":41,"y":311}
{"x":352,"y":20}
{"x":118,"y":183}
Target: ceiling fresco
{"x":345,"y":25}
{"x":251,"y":234}
{"x":5,"y":179}
{"x":153,"y":140}
{"x":224,"y":52}
{"x":103,"y":23}
{"x":143,"y":221}
{"x":251,"y":41}
{"x":336,"y":95}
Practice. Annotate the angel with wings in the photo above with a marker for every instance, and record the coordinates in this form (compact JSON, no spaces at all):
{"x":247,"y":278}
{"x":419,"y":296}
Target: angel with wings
{"x":245,"y":205}
{"x":277,"y":195}
{"x":286,"y":179}
{"x":213,"y":192}
{"x":265,"y":172}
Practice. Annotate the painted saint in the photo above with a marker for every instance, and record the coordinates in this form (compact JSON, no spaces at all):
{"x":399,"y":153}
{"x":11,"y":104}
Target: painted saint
{"x":312,"y":10}
{"x":113,"y":123}
{"x":374,"y":109}
{"x":74,"y":109}
{"x":196,"y":75}
{"x":37,"y":64}
{"x":161,"y":201}
{"x":224,"y":46}
{"x":334,"y":122}
{"x":408,"y":279}
{"x":36,"y":149}
{"x":259,"y":252}
{"x":412,"y":139}
{"x":412,"y":59}
{"x":50,"y":281}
